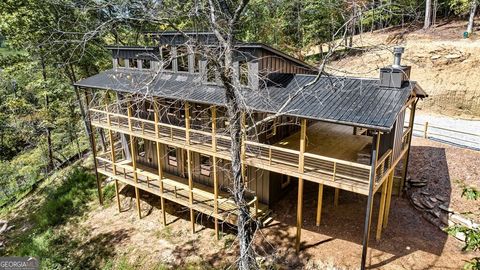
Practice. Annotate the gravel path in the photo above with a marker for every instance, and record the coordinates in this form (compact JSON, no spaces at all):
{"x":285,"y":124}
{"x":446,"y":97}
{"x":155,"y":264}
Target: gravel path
{"x":455,"y":138}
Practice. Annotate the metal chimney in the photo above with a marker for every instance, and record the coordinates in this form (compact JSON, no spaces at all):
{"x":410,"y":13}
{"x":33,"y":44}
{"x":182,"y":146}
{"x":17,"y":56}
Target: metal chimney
{"x":395,"y":75}
{"x":397,"y":52}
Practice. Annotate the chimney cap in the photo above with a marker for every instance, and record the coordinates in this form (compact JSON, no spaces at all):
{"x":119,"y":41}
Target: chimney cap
{"x":398,"y":49}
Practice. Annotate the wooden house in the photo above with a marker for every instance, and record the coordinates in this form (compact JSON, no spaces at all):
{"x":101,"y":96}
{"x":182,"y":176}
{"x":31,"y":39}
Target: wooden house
{"x":163,"y":110}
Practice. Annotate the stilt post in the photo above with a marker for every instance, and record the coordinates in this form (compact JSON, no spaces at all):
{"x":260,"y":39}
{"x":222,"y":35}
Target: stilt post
{"x":301,"y":159}
{"x":214,"y":164}
{"x":134,"y":159}
{"x":319,"y":204}
{"x":159,"y":162}
{"x":189,"y":165}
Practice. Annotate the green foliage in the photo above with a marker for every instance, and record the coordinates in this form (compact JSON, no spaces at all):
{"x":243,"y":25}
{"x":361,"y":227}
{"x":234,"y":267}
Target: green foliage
{"x":471,"y":193}
{"x":62,"y":202}
{"x":473,"y":264}
{"x":472,"y":237}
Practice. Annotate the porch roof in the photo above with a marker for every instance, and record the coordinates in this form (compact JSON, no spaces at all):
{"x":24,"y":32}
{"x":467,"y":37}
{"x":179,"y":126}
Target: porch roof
{"x":351,"y":101}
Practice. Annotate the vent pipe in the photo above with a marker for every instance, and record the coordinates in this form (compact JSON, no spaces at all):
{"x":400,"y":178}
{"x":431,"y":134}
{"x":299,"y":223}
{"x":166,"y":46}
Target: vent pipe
{"x":397,"y":51}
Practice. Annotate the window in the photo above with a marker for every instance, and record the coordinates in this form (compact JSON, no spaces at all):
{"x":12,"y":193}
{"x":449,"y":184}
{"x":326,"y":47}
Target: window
{"x":133,"y":63}
{"x":243,"y":73}
{"x":146,"y":64}
{"x":196,"y":64}
{"x":121,"y":62}
{"x":271,"y":127}
{"x":211,"y":72}
{"x":141,"y":147}
{"x":166,"y":58}
{"x":205,"y":165}
{"x":172,"y":156}
{"x":182,"y":59}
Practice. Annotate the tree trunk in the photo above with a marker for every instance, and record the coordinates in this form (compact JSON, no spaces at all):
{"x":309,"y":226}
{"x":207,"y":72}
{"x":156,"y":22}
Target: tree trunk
{"x":244,"y":225}
{"x":473,"y":9}
{"x":428,"y":14}
{"x":47,"y":105}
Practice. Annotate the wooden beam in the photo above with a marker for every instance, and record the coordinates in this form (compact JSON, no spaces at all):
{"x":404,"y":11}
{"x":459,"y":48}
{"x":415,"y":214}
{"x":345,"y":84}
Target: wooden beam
{"x":389,"y":199}
{"x":381,"y":211}
{"x":335,"y":197}
{"x":134,"y":159}
{"x":159,"y":162}
{"x":319,"y":204}
{"x":301,"y":163}
{"x":214,"y":164}
{"x":189,"y":165}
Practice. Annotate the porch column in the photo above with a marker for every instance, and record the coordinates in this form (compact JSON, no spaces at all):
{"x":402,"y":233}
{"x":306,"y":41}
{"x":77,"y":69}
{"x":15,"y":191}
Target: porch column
{"x":303,"y":131}
{"x":214,"y":164}
{"x":134,"y":158}
{"x":159,"y":161}
{"x":189,"y":164}
{"x":335,"y":197}
{"x":382,"y":208}
{"x":368,"y":215}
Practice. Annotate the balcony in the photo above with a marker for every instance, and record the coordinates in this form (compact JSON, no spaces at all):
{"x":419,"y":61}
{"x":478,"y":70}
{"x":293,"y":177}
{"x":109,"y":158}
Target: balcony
{"x":281,"y":158}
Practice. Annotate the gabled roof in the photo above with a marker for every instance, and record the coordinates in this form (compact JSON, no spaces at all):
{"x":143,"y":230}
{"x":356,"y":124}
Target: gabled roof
{"x":344,"y":100}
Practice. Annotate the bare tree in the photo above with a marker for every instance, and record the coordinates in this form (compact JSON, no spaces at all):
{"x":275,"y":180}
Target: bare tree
{"x":473,"y":9}
{"x":428,"y":14}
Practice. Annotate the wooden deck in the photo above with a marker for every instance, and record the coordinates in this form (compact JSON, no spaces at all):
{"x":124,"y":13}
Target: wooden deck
{"x":341,"y":172}
{"x":329,"y":140}
{"x":176,"y":189}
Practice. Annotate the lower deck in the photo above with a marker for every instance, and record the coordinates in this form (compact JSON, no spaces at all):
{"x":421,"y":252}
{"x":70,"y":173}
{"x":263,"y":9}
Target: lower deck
{"x":177,"y":189}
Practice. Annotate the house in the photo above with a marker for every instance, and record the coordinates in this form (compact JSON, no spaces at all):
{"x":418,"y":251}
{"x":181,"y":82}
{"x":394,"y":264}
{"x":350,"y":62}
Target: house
{"x":163,"y":110}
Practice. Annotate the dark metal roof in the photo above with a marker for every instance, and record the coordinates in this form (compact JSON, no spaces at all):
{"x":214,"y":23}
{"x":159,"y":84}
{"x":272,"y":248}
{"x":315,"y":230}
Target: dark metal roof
{"x":344,"y":100}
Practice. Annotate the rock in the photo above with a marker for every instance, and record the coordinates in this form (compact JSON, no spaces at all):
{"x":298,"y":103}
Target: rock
{"x":428,"y":204}
{"x":9,"y":228}
{"x":453,"y":56}
{"x":424,"y":192}
{"x":418,"y":184}
{"x":417,"y":204}
{"x":440,"y":198}
{"x":433,"y":199}
{"x":4,"y":228}
{"x":435,"y":57}
{"x":445,"y":208}
{"x":463,"y":221}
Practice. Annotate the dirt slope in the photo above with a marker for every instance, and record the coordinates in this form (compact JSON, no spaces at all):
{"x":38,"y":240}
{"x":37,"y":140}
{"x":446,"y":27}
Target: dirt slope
{"x":446,"y":65}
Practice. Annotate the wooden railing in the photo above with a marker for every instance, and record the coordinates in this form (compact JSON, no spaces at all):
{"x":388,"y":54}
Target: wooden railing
{"x":316,"y":167}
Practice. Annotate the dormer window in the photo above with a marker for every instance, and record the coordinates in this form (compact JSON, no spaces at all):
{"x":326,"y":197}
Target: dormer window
{"x":146,"y":64}
{"x":243,"y":73}
{"x":167,"y":57}
{"x":182,"y":58}
{"x":121,"y":62}
{"x":133,"y":63}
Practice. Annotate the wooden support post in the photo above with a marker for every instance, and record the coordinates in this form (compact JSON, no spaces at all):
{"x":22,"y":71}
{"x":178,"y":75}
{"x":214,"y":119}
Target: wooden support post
{"x":134,"y":159}
{"x":407,"y":155}
{"x":319,"y":204}
{"x":335,"y":197}
{"x":113,"y":158}
{"x":368,"y":215}
{"x":159,"y":163}
{"x":189,"y":165}
{"x":215,"y":176}
{"x":389,"y":199}
{"x":381,"y":211}
{"x":301,"y":159}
